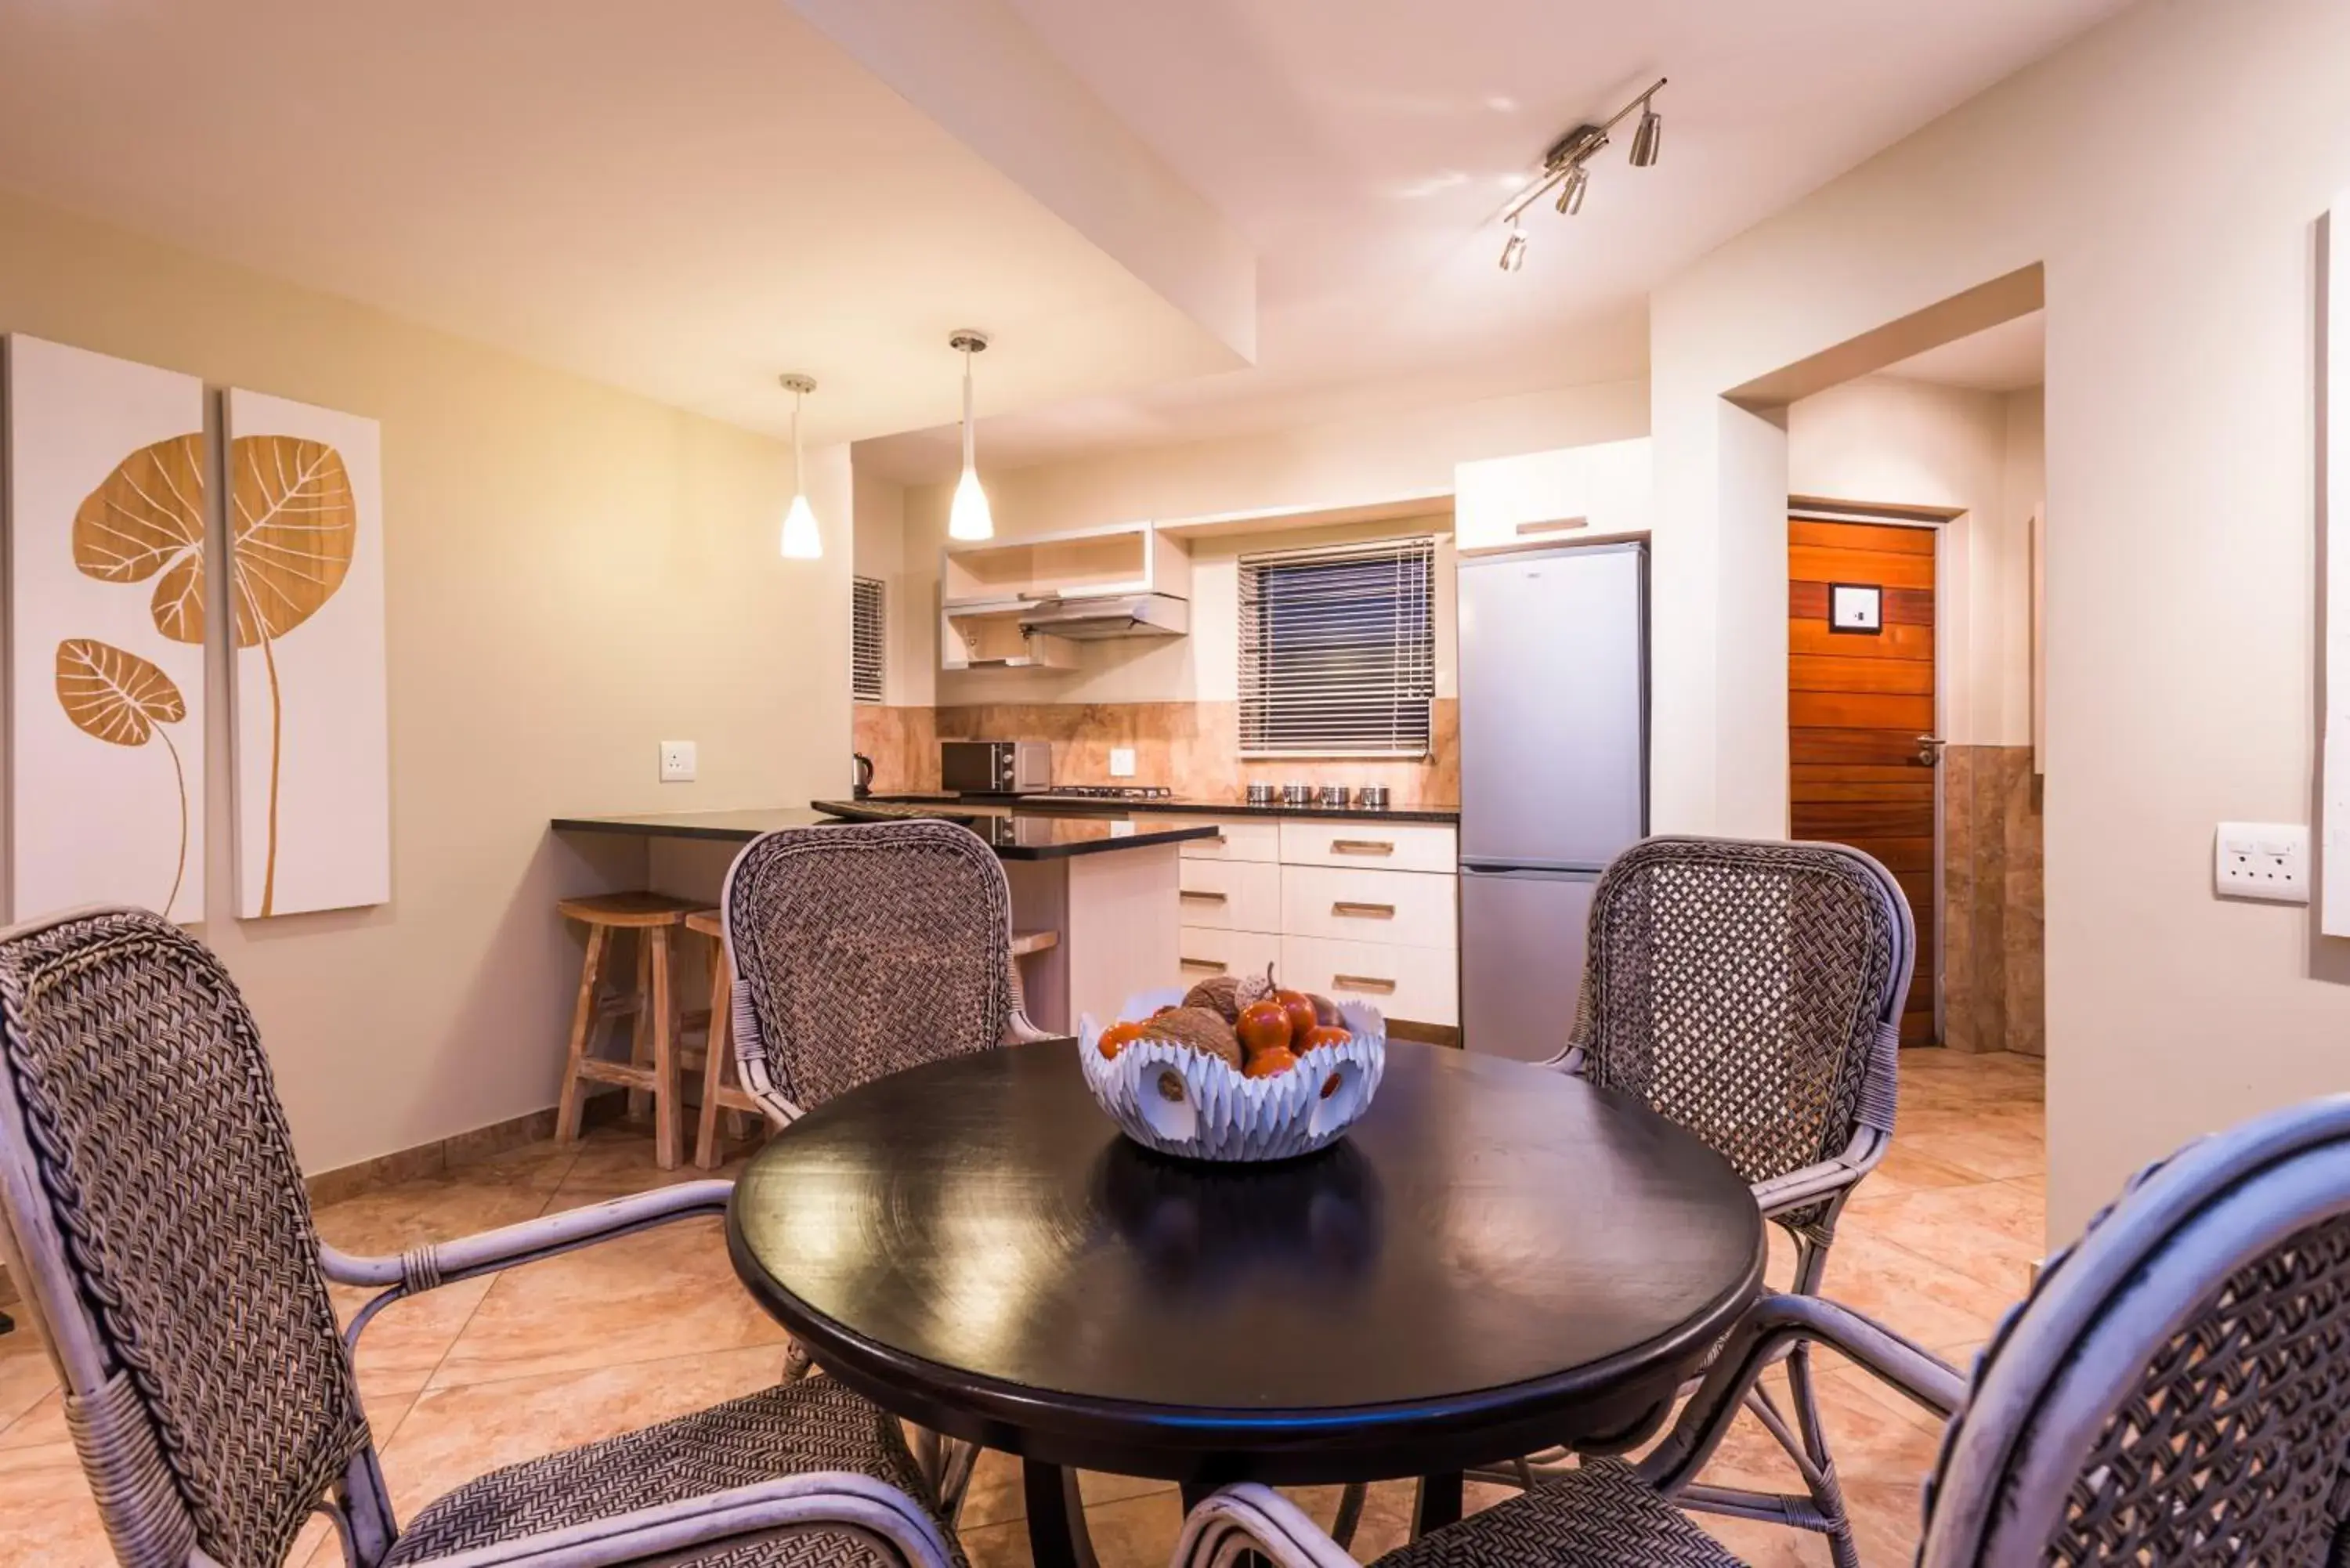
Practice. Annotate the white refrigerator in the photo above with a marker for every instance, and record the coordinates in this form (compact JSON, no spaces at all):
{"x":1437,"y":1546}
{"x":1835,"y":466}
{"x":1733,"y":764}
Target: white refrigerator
{"x":1553,"y":776}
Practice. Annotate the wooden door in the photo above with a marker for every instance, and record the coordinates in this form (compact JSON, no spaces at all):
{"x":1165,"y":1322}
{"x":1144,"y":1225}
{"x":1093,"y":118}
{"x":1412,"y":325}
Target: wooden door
{"x":1857,"y":703}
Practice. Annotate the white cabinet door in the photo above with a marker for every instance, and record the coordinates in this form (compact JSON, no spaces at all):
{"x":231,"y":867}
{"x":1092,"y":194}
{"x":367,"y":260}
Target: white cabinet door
{"x":1371,"y":845}
{"x":1418,"y":984}
{"x":1552,"y":497}
{"x":1207,"y":952}
{"x":1412,"y":909}
{"x":1239,"y":894}
{"x":1237,"y":837}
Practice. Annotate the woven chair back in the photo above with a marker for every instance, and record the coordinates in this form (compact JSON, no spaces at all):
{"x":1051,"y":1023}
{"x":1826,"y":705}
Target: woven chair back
{"x":169,"y":1239}
{"x":1745,"y":990}
{"x":2177,"y":1388}
{"x":862,"y":949}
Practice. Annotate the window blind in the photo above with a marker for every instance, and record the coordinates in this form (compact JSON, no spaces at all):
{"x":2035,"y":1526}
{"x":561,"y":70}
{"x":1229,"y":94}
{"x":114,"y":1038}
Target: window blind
{"x":1339,"y":650}
{"x":869,"y":639}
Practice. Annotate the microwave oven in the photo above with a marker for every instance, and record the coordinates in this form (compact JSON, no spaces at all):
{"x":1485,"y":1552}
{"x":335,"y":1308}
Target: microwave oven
{"x":996,"y":767}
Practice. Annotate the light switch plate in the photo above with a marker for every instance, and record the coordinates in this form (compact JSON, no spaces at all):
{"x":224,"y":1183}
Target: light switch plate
{"x":676,"y":760}
{"x":1121,"y":762}
{"x":2266,"y":860}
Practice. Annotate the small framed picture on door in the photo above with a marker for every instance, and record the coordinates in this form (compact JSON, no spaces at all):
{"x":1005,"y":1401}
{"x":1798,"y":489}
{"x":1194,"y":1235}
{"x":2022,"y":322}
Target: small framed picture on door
{"x":1855,"y":606}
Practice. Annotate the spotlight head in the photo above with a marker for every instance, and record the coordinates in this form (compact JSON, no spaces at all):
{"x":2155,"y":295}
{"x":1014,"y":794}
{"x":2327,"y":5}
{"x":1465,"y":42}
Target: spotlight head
{"x":1513,"y":250}
{"x":1571,"y":191}
{"x":1645,"y":139}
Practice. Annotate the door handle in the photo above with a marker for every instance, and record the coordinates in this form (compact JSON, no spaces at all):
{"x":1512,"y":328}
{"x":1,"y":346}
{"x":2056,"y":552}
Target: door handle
{"x":1362,"y":847}
{"x":1361,"y":982}
{"x":1368,"y":911}
{"x":1210,"y":965}
{"x":1203,"y":898}
{"x":1930,"y":751}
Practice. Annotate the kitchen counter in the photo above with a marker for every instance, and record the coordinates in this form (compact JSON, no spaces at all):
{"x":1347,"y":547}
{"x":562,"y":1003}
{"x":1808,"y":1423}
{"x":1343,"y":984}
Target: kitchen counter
{"x":1089,"y":805}
{"x":1106,"y":886}
{"x":1054,"y":837}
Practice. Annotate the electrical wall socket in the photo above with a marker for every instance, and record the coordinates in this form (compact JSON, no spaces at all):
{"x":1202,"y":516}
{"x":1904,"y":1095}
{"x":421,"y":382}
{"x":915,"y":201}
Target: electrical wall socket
{"x":1121,"y":762}
{"x":677,"y":761}
{"x":2262,"y":860}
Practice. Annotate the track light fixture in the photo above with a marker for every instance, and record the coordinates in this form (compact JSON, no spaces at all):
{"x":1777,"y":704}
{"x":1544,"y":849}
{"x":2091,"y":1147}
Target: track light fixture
{"x":1513,"y":249}
{"x":1565,"y":169}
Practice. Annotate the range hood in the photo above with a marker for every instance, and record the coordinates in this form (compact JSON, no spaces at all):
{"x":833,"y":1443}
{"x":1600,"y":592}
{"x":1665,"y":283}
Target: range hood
{"x":1095,"y":618}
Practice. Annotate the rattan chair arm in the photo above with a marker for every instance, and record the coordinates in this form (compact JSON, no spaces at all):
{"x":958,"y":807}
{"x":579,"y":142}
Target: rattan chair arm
{"x":830,"y":1499}
{"x":1252,"y":1519}
{"x":1813,"y":1182}
{"x":422,"y":1269}
{"x":1771,"y":1327}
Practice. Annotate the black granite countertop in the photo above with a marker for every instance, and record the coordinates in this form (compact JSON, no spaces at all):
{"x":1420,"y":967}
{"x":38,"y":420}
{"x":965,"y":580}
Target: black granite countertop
{"x":1012,"y":838}
{"x":1089,"y":805}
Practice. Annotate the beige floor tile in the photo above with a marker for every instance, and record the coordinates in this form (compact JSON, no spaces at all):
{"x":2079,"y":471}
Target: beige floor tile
{"x":619,"y":1159}
{"x":1905,"y":1167}
{"x":26,"y":1376}
{"x":43,"y":1424}
{"x":46,"y":1516}
{"x":663,"y":1293}
{"x":1990,"y":1231}
{"x":1931,"y":1301}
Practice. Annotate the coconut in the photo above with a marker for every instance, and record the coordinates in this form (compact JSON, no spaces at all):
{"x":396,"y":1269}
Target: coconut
{"x":1221,"y":996}
{"x":1201,"y":1028}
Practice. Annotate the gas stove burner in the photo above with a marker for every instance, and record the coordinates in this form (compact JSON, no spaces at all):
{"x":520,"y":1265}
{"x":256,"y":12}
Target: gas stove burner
{"x":1112,"y":792}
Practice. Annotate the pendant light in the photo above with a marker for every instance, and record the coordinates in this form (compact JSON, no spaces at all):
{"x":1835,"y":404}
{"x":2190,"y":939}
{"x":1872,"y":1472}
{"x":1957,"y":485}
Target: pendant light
{"x":801,"y":540}
{"x":969,"y":517}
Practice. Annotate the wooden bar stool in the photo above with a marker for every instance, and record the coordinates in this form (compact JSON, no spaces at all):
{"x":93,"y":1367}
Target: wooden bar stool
{"x":722,"y":1088}
{"x":651,"y":1070}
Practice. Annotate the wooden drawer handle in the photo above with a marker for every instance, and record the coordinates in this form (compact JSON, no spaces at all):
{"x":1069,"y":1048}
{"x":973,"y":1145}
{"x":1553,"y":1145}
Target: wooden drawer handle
{"x":1362,"y":847}
{"x":1362,"y":982}
{"x":1555,"y":525}
{"x":1365,"y":911}
{"x":1205,"y":897}
{"x":1210,"y":965}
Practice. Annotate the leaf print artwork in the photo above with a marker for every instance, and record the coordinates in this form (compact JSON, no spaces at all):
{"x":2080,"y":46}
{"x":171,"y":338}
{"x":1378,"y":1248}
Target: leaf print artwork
{"x":122,"y":700}
{"x":292,"y":531}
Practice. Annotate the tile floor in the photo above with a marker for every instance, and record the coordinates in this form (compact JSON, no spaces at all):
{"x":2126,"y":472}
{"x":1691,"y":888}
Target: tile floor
{"x":1939,"y":1244}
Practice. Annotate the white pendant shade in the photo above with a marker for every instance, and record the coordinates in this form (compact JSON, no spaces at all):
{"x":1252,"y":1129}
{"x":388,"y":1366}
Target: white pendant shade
{"x":969,"y":517}
{"x":802,"y":541}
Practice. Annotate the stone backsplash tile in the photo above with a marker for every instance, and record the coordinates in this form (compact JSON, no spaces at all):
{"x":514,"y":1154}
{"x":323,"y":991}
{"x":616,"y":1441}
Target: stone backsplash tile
{"x":1193,"y":748}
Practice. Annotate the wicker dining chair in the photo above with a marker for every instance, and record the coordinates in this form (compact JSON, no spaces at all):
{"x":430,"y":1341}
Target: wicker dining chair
{"x":1752,"y":991}
{"x":2175,"y":1391}
{"x":863,"y":949}
{"x":158,"y":1221}
{"x":860,"y":950}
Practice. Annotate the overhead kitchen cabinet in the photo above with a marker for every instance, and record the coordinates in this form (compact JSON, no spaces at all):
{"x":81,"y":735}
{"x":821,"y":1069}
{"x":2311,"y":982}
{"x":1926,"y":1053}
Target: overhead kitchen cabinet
{"x":1026,"y":603}
{"x":1552,"y":497}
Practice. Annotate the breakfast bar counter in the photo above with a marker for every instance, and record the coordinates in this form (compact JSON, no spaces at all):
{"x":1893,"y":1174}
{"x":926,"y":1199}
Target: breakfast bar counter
{"x":1106,"y":887}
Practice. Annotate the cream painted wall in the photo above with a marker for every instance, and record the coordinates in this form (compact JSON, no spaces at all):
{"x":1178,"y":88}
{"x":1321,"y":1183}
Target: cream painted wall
{"x":573,"y":576}
{"x":1885,"y":440}
{"x":1329,"y":466}
{"x":2169,"y":168}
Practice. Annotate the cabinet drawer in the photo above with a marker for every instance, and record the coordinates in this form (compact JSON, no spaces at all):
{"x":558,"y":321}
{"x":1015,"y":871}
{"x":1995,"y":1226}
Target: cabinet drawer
{"x":1371,"y":845}
{"x":1236,"y":895}
{"x":1241,"y":838}
{"x":1207,"y":950}
{"x":1404,"y":908}
{"x":1422,"y":984}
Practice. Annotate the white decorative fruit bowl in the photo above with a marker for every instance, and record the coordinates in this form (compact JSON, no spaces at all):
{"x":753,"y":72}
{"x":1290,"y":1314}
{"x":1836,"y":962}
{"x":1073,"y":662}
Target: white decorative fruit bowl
{"x":1166,"y":1095}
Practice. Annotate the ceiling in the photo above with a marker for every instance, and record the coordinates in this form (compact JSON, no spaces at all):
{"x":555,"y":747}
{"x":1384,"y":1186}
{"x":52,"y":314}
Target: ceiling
{"x":1364,"y":146}
{"x":2007,"y":358}
{"x":684,"y":200}
{"x":1178,"y":220}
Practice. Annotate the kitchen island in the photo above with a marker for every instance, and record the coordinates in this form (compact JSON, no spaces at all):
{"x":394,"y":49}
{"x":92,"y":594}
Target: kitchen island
{"x":1105,"y":886}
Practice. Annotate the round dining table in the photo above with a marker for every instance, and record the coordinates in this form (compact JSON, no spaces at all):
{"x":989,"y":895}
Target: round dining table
{"x":1496,"y":1259}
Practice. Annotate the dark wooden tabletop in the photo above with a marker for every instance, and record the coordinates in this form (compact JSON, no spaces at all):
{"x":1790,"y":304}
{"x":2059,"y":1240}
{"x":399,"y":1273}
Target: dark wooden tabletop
{"x":1496,"y":1258}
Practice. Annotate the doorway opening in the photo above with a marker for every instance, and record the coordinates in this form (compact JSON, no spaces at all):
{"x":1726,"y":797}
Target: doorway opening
{"x":1913,"y":653}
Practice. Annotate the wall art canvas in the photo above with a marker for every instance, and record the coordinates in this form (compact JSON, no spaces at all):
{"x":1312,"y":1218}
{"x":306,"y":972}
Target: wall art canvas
{"x":107,"y":464}
{"x":304,"y":559}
